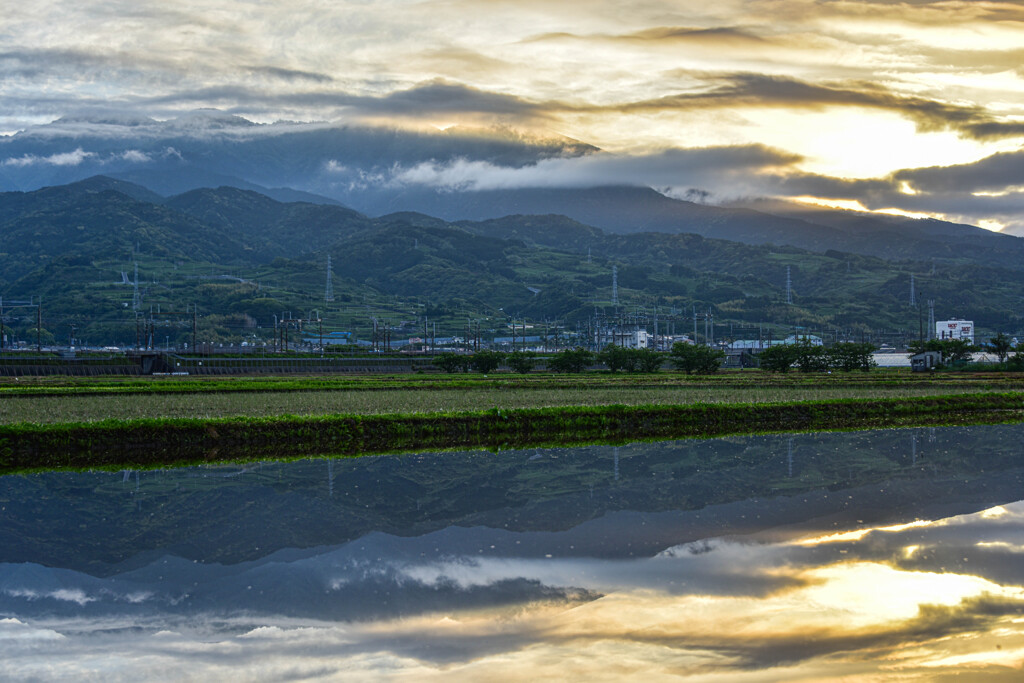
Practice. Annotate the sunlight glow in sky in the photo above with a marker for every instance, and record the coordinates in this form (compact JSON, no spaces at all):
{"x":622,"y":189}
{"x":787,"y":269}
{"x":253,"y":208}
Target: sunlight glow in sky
{"x":864,"y":89}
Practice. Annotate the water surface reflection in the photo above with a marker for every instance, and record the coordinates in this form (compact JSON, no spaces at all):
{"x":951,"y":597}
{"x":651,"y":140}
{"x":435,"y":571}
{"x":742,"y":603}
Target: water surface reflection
{"x":892,"y":554}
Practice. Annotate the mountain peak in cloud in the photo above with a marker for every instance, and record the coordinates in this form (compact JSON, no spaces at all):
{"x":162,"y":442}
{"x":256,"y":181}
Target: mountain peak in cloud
{"x":111,"y":118}
{"x":207,"y":119}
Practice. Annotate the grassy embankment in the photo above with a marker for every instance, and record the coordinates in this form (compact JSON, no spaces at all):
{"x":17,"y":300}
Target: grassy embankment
{"x":148,"y":423}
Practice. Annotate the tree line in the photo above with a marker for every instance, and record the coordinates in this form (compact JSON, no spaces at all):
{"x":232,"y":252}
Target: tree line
{"x":701,"y":359}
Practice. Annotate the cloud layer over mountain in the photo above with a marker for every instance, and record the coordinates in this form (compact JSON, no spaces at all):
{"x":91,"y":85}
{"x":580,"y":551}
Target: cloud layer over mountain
{"x":874,"y":104}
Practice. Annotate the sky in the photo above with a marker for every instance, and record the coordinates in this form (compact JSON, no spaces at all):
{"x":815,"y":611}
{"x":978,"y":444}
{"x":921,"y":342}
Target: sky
{"x":912,"y":107}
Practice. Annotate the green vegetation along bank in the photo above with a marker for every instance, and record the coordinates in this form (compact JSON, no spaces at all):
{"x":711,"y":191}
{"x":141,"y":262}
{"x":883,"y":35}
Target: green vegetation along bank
{"x":150,"y":443}
{"x":53,"y":409}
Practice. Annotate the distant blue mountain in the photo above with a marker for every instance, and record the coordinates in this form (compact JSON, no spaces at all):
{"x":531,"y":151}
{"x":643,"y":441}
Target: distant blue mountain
{"x":357,"y":167}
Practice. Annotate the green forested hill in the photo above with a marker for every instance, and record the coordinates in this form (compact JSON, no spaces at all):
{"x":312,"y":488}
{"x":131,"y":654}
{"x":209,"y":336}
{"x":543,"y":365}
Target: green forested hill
{"x":241,"y":258}
{"x":80,"y":226}
{"x":267,"y":227}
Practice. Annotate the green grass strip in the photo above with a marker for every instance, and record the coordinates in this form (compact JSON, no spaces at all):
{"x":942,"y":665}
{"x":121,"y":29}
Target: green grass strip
{"x":106,"y":386}
{"x":173,"y":442}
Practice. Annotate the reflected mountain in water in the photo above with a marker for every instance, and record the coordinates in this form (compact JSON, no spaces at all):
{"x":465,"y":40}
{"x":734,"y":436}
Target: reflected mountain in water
{"x":101,"y":522}
{"x":815,"y":555}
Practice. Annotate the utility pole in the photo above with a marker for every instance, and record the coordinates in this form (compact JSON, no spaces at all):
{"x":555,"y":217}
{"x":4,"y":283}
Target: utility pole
{"x":39,"y":325}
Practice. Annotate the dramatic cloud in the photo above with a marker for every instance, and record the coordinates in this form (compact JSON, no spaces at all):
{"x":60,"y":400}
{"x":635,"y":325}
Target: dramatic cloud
{"x":675,"y":169}
{"x":851,"y":91}
{"x":72,"y":158}
{"x":753,"y":90}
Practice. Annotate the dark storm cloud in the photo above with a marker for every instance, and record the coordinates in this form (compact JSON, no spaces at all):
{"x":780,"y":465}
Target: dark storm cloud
{"x":992,"y":173}
{"x":670,"y":35}
{"x":929,"y":13}
{"x":290,"y":75}
{"x":448,"y":98}
{"x":36,"y":63}
{"x":419,"y":101}
{"x":931,"y":191}
{"x":761,"y":90}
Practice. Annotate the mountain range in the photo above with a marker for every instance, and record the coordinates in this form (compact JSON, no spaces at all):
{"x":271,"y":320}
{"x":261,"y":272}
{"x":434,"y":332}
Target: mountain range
{"x":243,"y":257}
{"x":377,"y":171}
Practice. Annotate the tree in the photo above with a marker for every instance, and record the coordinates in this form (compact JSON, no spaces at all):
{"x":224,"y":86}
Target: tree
{"x":1001,"y":346}
{"x":1016,"y":361}
{"x":617,"y":358}
{"x":952,"y":350}
{"x":696,"y":358}
{"x":486,"y":361}
{"x":451,"y":362}
{"x":649,"y":360}
{"x":571,"y":360}
{"x":849,"y":356}
{"x":810,"y":358}
{"x":521,"y":361}
{"x":778,"y":358}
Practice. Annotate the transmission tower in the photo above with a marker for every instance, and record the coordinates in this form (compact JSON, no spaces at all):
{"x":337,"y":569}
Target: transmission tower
{"x":615,"y":286}
{"x":329,"y":288}
{"x":913,"y":298}
{"x":931,"y":318}
{"x":789,"y":285}
{"x":136,"y":300}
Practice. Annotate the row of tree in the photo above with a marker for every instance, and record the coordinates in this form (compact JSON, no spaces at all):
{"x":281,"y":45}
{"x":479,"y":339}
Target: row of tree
{"x":689,"y":358}
{"x":701,"y":359}
{"x":806,"y":357}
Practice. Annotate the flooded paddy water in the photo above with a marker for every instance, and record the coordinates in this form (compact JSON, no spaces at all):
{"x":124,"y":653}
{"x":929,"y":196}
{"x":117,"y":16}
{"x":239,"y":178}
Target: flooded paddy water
{"x":887,"y":554}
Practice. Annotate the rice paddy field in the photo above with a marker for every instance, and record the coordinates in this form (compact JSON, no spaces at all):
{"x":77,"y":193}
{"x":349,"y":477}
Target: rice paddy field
{"x":64,"y":400}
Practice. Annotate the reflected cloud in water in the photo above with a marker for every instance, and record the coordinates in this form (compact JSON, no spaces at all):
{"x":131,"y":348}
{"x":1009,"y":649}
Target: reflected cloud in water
{"x":921,"y":599}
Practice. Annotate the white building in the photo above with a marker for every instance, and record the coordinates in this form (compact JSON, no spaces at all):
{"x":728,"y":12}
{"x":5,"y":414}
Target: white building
{"x":955,"y":329}
{"x":629,"y":338}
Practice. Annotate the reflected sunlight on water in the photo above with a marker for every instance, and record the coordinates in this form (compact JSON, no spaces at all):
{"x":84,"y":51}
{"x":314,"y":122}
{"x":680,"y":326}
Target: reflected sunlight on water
{"x":805,"y":591}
